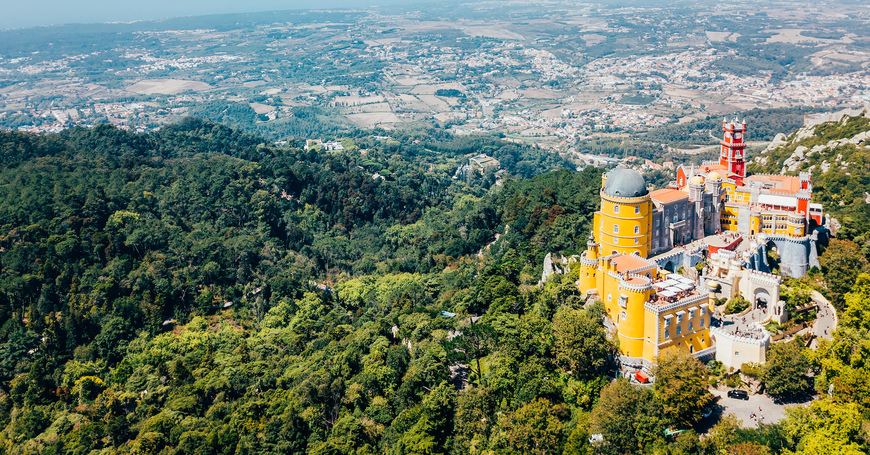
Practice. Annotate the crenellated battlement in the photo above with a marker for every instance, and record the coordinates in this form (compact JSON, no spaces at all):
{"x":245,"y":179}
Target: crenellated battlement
{"x":587,"y":262}
{"x":658,"y":309}
{"x":635,"y":287}
{"x":764,"y":277}
{"x":761,"y":339}
{"x":803,"y":240}
{"x":623,"y":200}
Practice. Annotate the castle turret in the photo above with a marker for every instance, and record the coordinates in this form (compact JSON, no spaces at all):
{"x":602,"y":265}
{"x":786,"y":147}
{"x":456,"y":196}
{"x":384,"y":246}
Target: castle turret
{"x":805,"y":182}
{"x":804,"y":194}
{"x":696,"y":195}
{"x":733,"y":147}
{"x":714,"y":187}
{"x":588,"y":265}
{"x":623,"y":223}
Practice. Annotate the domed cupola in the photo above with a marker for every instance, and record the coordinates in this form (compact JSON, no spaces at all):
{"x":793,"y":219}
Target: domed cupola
{"x":625,"y":182}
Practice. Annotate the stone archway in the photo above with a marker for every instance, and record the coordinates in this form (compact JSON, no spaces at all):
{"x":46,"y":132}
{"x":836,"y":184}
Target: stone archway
{"x":761,"y":298}
{"x":669,"y":266}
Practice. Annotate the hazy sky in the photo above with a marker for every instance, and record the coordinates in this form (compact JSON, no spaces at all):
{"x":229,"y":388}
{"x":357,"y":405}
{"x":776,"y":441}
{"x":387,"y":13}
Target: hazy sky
{"x":30,"y":13}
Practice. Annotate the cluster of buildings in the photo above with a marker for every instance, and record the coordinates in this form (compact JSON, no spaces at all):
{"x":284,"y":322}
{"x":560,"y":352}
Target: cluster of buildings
{"x":716,"y":215}
{"x":399,"y":71}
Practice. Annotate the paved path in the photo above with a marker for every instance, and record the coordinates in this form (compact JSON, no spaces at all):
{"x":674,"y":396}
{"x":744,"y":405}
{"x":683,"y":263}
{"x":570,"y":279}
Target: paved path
{"x":826,"y":317}
{"x":745,"y":323}
{"x":823,"y":327}
{"x":743,"y":409}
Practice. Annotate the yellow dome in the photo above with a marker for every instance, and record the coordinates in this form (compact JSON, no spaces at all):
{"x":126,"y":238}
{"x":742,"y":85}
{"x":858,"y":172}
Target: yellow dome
{"x":714,"y":176}
{"x":697,"y":180}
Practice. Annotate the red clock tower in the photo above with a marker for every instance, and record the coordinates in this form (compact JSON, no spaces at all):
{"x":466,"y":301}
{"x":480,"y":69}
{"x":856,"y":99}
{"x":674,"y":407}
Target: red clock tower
{"x":733,"y":148}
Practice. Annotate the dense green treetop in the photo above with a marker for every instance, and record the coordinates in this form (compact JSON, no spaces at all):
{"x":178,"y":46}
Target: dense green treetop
{"x":199,"y":290}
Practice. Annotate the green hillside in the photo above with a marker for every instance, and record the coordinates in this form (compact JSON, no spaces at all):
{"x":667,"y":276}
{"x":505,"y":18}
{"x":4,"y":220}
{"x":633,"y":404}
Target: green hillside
{"x":199,"y":291}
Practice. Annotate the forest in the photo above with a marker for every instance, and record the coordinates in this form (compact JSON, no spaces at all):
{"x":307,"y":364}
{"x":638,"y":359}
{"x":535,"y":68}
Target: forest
{"x":199,"y":290}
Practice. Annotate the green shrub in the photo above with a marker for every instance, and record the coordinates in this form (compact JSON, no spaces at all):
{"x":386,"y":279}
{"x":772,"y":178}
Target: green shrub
{"x":773,"y":327}
{"x":751,"y":369}
{"x":716,"y":367}
{"x":736,"y":305}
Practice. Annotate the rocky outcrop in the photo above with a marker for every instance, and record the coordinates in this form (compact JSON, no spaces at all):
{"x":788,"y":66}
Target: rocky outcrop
{"x":550,"y":268}
{"x":801,"y":154}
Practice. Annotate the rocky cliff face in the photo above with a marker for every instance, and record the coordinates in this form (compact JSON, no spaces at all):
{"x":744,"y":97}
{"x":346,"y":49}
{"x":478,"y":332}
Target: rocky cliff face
{"x":801,"y":154}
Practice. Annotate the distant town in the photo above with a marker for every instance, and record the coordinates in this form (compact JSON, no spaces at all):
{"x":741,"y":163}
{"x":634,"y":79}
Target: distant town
{"x":554,"y":76}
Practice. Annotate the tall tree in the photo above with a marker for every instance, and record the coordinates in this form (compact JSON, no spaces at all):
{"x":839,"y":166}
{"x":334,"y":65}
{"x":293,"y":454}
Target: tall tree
{"x":471,"y":345}
{"x":857,"y":311}
{"x":534,"y":428}
{"x":841,"y":263}
{"x":826,"y":427}
{"x":681,"y":386}
{"x":582,"y":346}
{"x":627,"y":417}
{"x":785,"y":372}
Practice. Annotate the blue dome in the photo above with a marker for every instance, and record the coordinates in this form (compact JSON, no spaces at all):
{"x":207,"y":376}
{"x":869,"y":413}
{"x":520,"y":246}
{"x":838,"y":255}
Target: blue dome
{"x":624,"y":182}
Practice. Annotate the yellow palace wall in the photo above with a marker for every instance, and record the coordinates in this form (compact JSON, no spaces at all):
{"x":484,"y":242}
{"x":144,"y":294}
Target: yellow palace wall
{"x":623,"y":225}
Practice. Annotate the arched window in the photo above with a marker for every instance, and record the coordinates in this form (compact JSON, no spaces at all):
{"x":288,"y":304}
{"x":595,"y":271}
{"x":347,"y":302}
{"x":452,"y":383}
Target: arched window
{"x":637,"y":229}
{"x":623,"y":315}
{"x":637,"y":210}
{"x":616,"y":229}
{"x":615,"y":208}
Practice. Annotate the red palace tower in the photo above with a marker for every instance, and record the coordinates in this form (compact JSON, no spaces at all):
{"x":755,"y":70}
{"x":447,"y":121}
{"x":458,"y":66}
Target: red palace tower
{"x":733,"y":149}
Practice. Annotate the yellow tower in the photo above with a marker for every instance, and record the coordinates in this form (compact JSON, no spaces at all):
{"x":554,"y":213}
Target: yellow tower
{"x":623,"y":224}
{"x":625,"y":287}
{"x":588,"y":265}
{"x":614,"y":266}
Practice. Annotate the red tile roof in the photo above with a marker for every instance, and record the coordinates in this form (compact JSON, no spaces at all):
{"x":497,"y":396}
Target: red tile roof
{"x":668,"y":195}
{"x":628,"y":262}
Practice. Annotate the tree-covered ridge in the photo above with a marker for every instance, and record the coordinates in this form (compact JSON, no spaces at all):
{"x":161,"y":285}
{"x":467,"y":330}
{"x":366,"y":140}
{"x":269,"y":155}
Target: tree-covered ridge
{"x":196,"y":214}
{"x":199,"y":291}
{"x":107,"y":234}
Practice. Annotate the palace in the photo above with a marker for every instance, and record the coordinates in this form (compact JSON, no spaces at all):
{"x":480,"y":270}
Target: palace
{"x":654,"y":309}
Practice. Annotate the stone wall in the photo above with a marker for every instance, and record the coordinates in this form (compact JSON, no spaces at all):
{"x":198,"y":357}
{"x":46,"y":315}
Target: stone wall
{"x":734,"y":351}
{"x":796,"y":254}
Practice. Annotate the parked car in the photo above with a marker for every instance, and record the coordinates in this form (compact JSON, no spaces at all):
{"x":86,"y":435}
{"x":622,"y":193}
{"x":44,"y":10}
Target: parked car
{"x":738,"y":394}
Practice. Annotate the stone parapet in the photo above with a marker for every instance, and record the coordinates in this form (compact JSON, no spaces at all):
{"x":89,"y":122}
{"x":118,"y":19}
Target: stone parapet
{"x":657,"y":309}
